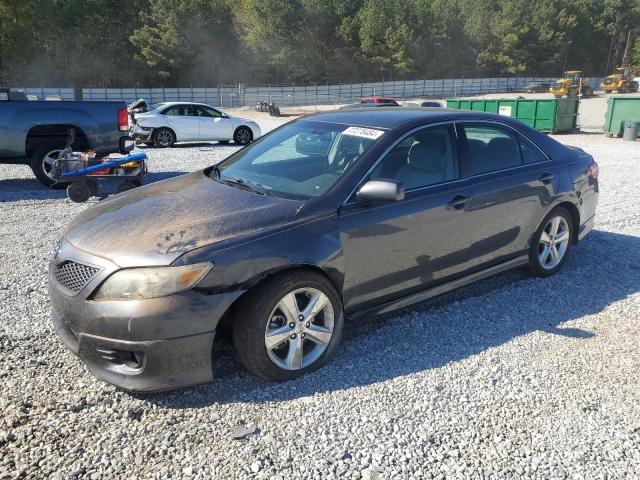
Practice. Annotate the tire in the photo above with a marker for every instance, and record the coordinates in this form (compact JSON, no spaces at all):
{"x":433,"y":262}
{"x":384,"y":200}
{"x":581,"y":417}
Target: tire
{"x":541,"y":262}
{"x":78,"y":192}
{"x":163,"y":138}
{"x":263,"y":311}
{"x":42,"y":163}
{"x":93,"y":187}
{"x":128,"y":185}
{"x":243,"y":136}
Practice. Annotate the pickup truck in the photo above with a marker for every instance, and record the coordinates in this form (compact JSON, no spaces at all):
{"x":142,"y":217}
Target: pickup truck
{"x":35,"y":132}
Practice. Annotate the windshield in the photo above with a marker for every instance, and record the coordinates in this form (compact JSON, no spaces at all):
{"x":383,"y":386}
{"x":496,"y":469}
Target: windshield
{"x":302,"y":159}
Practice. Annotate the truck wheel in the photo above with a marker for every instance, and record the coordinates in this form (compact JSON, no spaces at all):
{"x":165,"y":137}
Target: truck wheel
{"x":42,"y":163}
{"x":78,"y":192}
{"x":163,"y":138}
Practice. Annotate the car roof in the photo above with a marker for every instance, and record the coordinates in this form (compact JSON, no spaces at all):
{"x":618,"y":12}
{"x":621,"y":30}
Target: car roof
{"x":168,"y":104}
{"x":390,"y":117}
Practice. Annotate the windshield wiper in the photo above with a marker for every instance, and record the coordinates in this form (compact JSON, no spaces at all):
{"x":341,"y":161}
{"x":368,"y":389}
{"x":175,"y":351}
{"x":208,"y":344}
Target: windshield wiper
{"x":247,"y":185}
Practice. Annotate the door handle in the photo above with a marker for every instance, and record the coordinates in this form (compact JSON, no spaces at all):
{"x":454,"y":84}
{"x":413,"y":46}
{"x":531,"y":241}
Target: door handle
{"x":458,"y":202}
{"x":546,"y":177}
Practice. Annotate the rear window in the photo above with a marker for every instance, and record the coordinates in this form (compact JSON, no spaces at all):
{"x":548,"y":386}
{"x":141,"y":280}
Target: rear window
{"x":531,"y":153}
{"x":491,"y":149}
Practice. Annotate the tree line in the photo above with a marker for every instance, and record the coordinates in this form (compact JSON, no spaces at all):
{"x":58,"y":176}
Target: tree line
{"x":151,"y":43}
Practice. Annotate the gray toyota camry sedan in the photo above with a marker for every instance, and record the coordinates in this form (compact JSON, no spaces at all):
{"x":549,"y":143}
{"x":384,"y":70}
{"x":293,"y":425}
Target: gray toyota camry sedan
{"x":334,"y":216}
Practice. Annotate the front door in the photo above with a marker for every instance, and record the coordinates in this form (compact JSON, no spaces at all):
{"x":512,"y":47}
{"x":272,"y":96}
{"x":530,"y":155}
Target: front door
{"x":393,"y":249}
{"x":214,"y":125}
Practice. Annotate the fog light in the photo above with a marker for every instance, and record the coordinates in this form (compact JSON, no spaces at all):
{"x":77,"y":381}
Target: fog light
{"x":124,"y":358}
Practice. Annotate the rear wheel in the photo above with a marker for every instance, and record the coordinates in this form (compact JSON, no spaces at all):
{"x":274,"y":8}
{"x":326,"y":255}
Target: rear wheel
{"x":288,"y":326}
{"x":551,"y":243}
{"x":243,"y":136}
{"x":93,"y":187}
{"x":42,"y":163}
{"x":163,"y":138}
{"x":128,"y":185}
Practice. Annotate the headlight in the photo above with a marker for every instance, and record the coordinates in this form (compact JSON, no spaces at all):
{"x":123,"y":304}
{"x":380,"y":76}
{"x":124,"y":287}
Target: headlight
{"x":151,"y":282}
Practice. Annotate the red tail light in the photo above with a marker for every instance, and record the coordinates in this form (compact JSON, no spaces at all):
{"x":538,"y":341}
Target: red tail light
{"x":123,"y":120}
{"x":593,"y":170}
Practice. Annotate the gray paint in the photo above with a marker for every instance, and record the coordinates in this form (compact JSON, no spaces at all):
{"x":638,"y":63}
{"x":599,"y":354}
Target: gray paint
{"x":379,"y":255}
{"x":98,"y":120}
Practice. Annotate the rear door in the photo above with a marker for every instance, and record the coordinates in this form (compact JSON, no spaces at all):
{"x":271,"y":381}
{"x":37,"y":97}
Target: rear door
{"x":184,"y":120}
{"x":508,"y":182}
{"x":214,"y":125}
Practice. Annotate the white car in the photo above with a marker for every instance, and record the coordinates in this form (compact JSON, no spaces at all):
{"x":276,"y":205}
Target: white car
{"x":164,"y":124}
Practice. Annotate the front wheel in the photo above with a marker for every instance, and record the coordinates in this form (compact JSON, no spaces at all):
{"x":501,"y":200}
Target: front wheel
{"x":243,"y":136}
{"x":288,"y":326}
{"x":551,"y":243}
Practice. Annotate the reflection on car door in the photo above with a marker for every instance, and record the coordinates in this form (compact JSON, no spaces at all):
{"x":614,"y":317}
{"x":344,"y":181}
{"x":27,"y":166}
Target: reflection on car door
{"x":392,"y":249}
{"x":184,"y":121}
{"x":213,"y":125}
{"x":508,"y":183}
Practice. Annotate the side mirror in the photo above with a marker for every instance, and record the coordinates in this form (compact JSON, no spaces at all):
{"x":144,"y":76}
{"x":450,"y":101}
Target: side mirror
{"x":386,"y":190}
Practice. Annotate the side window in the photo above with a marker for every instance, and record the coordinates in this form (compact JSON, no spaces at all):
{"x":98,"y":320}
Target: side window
{"x":179,"y":111}
{"x":171,"y":111}
{"x":531,"y":153}
{"x":491,"y":149}
{"x":427,"y":157}
{"x":208,"y":112}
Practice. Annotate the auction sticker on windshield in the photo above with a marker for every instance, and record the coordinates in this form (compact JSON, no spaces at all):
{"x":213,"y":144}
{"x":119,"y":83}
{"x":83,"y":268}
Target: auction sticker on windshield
{"x":371,"y":133}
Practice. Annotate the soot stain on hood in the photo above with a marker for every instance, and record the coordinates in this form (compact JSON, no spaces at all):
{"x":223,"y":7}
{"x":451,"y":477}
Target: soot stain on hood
{"x":155,"y":224}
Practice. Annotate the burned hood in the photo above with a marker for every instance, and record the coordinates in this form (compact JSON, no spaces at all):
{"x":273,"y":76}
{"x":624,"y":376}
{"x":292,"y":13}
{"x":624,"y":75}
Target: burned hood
{"x":155,"y":224}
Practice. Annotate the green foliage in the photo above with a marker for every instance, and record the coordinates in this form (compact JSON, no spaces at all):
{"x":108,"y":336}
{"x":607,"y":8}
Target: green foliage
{"x":207,"y":42}
{"x":635,"y":57}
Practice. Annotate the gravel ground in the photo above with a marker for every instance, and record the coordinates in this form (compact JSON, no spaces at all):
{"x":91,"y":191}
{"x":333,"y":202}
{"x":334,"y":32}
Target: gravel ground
{"x":514,"y":377}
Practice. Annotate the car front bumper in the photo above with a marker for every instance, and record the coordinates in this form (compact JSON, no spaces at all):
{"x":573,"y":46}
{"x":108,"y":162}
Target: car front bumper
{"x":138,"y":345}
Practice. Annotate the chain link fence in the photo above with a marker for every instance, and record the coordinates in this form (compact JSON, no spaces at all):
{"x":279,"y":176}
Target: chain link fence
{"x":242,"y":95}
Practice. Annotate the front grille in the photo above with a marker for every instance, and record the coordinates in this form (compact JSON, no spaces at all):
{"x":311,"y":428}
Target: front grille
{"x":74,"y":275}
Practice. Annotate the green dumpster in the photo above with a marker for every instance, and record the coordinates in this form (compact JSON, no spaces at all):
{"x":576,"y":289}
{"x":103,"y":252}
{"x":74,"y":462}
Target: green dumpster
{"x":619,"y":111}
{"x":547,"y":114}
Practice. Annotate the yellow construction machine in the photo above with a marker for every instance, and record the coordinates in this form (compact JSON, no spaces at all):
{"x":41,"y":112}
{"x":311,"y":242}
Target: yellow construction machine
{"x":571,"y":85}
{"x":621,"y":82}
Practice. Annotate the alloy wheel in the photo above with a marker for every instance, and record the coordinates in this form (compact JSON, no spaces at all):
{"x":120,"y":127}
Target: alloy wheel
{"x":165,"y":138}
{"x":554,"y":241}
{"x":48,"y":162}
{"x":243,"y":136}
{"x":299,"y":329}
